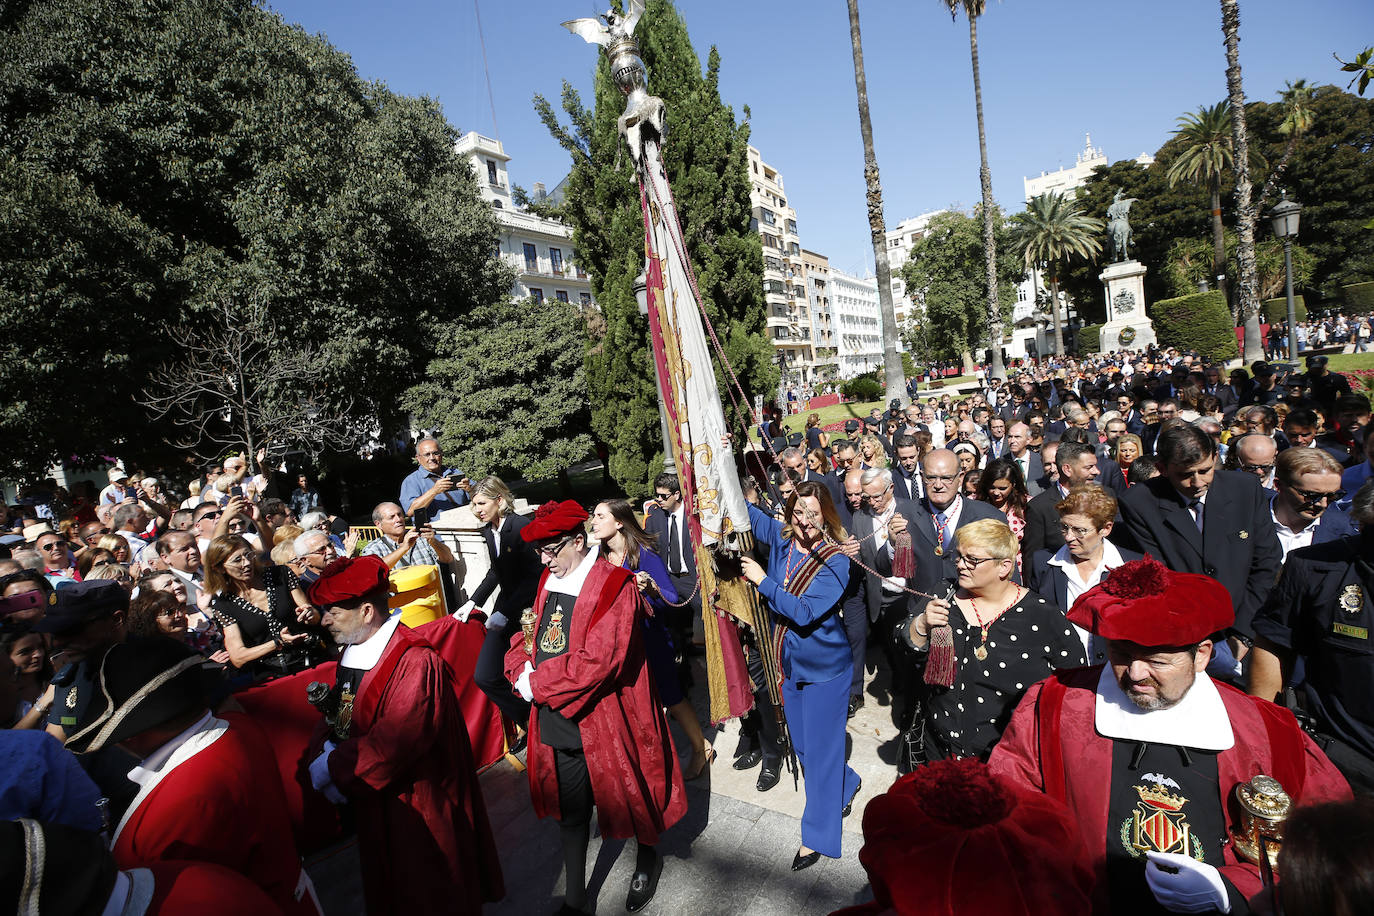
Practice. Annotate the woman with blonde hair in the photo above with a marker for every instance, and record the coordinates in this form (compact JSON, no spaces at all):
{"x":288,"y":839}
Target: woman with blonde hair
{"x":1005,"y":638}
{"x":626,"y":544}
{"x":871,"y":451}
{"x":117,"y":546}
{"x":515,"y":569}
{"x":269,"y":626}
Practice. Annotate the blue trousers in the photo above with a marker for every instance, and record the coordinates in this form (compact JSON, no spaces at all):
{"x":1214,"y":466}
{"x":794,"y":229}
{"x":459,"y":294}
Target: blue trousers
{"x":816,"y":716}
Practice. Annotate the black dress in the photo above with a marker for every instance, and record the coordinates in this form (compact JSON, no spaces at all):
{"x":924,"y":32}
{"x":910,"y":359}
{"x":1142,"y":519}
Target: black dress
{"x":257,"y":626}
{"x":1025,"y":645}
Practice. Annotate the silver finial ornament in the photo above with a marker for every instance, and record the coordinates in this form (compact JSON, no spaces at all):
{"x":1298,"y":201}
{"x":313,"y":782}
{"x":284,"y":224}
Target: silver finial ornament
{"x":615,"y":33}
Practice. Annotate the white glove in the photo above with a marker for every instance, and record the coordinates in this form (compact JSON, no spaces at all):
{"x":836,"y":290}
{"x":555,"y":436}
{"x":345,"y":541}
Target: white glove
{"x":463,"y":612}
{"x":320,"y":778}
{"x":522,"y":683}
{"x":1189,"y":886}
{"x":496,"y":621}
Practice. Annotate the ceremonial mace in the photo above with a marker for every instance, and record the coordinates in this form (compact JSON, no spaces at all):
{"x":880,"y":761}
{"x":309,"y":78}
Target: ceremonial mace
{"x":1264,"y":807}
{"x":529,"y":622}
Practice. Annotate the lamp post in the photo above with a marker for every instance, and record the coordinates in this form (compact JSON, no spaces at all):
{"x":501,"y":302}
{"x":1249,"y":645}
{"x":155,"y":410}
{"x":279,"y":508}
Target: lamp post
{"x":642,"y":298}
{"x":1285,"y":219}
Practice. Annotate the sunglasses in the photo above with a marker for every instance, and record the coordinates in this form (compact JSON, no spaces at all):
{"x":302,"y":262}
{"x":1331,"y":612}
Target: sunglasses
{"x":1312,"y":496}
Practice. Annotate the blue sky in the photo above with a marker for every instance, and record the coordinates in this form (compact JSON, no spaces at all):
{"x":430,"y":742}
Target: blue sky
{"x":1050,"y":72}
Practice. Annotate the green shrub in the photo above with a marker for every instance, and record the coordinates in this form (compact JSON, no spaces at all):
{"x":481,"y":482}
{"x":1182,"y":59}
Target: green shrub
{"x":1277,"y":309}
{"x":862,"y":388}
{"x":1200,"y":322}
{"x":1089,"y":339}
{"x":1359,"y":297}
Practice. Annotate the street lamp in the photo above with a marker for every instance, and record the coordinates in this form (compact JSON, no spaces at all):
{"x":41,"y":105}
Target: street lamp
{"x":1285,"y":219}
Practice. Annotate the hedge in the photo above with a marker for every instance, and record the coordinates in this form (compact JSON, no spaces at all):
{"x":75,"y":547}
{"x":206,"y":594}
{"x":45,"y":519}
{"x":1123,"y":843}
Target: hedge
{"x":1200,"y":322}
{"x":1277,"y":309}
{"x":862,"y":388}
{"x":1089,"y":339}
{"x":1359,"y":297}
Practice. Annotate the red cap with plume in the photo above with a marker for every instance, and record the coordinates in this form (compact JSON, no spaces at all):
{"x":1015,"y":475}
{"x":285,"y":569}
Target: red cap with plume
{"x":346,"y":580}
{"x":1147,"y":603}
{"x":554,"y":520}
{"x":952,"y":838}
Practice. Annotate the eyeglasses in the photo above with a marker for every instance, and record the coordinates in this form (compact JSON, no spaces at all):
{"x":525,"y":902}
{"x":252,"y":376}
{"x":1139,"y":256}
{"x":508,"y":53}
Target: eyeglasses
{"x":939,"y":478}
{"x":53,"y":545}
{"x":963,"y":559}
{"x":1257,"y":468}
{"x":1076,"y":533}
{"x":1311,"y":496}
{"x":552,"y":550}
{"x":210,"y":515}
{"x":320,"y":550}
{"x":664,"y":497}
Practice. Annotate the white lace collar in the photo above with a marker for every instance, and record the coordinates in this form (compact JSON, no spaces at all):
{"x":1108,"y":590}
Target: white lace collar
{"x":571,"y":584}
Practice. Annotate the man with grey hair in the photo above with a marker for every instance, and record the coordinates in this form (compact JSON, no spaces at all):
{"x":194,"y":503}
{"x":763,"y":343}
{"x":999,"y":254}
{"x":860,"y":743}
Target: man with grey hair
{"x":400,"y":546}
{"x":1320,"y":611}
{"x":792,"y":460}
{"x":1254,"y":453}
{"x":314,"y":550}
{"x":432,"y":488}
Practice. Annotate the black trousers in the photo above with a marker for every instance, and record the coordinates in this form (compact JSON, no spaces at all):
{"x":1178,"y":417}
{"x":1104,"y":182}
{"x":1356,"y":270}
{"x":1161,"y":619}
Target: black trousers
{"x":759,"y":730}
{"x":855,"y":615}
{"x":901,"y":662}
{"x":490,"y":674}
{"x":1355,"y":766}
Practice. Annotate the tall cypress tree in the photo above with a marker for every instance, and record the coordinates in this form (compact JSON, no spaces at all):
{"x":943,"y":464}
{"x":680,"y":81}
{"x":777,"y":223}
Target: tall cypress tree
{"x":706,"y":154}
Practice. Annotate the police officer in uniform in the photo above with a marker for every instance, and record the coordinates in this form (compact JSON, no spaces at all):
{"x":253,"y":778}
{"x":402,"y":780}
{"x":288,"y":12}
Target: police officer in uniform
{"x":85,"y":619}
{"x":1319,"y":623}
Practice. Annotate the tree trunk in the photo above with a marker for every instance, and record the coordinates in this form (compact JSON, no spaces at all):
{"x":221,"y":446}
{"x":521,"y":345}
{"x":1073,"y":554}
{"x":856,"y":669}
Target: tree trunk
{"x":995,"y":367}
{"x":892,"y":362}
{"x":1218,"y":241}
{"x":1247,"y":290}
{"x":1054,"y":310}
{"x":1272,"y":181}
{"x":967,"y":358}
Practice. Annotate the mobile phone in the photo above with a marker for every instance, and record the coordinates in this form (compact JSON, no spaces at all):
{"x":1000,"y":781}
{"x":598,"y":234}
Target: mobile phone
{"x":236,"y":490}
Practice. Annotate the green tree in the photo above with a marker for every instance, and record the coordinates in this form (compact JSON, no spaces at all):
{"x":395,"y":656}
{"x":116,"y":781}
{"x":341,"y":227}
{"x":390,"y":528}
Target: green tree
{"x":1298,"y":117}
{"x":1189,"y":260}
{"x":1205,"y":160}
{"x":944,"y":277}
{"x":706,"y":156}
{"x":1247,"y":290}
{"x":973,"y":9}
{"x":1050,"y":231}
{"x":508,"y":391}
{"x":1362,"y":66}
{"x":892,"y":367}
{"x":160,"y":157}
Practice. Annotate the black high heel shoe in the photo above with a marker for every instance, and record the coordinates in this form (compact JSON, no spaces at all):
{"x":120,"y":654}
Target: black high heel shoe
{"x":800,"y":862}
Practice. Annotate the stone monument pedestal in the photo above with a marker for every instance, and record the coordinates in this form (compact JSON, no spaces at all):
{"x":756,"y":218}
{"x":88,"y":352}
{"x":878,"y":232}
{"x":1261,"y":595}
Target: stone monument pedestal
{"x":1127,"y":326}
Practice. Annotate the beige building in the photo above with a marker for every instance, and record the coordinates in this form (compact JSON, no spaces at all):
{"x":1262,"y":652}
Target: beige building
{"x":789,"y":323}
{"x":540,"y":250}
{"x":824,"y":331}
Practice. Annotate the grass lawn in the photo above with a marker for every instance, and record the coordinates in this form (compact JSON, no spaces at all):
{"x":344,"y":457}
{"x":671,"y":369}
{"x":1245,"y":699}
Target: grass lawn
{"x":1344,"y":362}
{"x":836,"y":413}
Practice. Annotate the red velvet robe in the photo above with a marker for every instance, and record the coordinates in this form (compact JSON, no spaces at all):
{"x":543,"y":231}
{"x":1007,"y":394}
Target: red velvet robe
{"x":423,"y":834}
{"x":222,"y":805}
{"x":603,"y":684}
{"x":1076,"y":768}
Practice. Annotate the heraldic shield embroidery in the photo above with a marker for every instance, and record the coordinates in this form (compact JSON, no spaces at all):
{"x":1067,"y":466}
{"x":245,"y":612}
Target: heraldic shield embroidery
{"x":1159,"y":821}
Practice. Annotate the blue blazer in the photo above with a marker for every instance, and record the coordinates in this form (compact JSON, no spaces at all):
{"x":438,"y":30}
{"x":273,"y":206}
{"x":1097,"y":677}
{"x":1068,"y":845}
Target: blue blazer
{"x":652,"y":564}
{"x":815,"y":647}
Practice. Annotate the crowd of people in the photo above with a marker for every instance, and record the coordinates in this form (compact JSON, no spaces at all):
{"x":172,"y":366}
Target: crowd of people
{"x":1101,"y":595}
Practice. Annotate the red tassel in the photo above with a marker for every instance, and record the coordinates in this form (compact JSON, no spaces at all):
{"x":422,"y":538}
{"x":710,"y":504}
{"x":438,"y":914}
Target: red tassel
{"x":903,"y":557}
{"x":940,"y":660}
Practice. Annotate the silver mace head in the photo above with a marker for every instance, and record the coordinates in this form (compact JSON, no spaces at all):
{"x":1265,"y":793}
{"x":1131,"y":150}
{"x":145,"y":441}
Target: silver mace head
{"x":615,"y":32}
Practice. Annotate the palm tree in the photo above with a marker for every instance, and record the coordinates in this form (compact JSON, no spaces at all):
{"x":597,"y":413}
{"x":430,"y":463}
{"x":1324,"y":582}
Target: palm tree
{"x":1295,"y":101}
{"x":892,"y":363}
{"x":1205,"y":159}
{"x":1052,"y":229}
{"x":1247,"y":291}
{"x":973,"y":9}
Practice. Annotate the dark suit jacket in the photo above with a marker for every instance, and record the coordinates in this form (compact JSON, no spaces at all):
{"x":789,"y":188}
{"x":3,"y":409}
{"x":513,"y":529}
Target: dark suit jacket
{"x":1042,"y":526}
{"x":515,"y":569}
{"x":1135,"y":423}
{"x":933,"y":571}
{"x":831,"y":483}
{"x":1226,"y":395}
{"x":656,"y":523}
{"x":1051,"y":581}
{"x":1036,"y":473}
{"x":868,"y":556}
{"x":1237,"y":546}
{"x":905,"y":488}
{"x":1110,"y":476}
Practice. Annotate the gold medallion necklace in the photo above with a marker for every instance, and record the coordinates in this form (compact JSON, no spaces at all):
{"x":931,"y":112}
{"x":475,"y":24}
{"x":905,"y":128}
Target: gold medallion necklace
{"x":980,"y":652}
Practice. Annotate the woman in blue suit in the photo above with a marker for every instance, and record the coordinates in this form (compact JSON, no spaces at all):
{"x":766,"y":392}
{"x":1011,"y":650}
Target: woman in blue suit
{"x":805,"y":578}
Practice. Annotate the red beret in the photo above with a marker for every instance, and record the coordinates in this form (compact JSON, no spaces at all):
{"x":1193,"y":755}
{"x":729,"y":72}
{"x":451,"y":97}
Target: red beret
{"x":952,"y":838}
{"x":1147,"y":603}
{"x":554,"y":520}
{"x":346,"y":580}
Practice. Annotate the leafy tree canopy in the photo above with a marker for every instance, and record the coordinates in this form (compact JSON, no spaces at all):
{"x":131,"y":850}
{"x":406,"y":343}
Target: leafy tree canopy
{"x":159,"y":157}
{"x":946,"y":277}
{"x":706,"y":155}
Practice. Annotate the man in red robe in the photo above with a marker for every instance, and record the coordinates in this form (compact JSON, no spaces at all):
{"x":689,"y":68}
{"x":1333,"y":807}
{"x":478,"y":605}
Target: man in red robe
{"x":209,"y":790}
{"x":400,"y":755}
{"x":1147,"y":751}
{"x":597,"y":734}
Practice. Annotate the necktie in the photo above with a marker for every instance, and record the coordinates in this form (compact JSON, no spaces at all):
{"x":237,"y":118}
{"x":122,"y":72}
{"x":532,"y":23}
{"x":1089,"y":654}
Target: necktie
{"x":674,"y":547}
{"x":1196,"y":507}
{"x":942,"y":529}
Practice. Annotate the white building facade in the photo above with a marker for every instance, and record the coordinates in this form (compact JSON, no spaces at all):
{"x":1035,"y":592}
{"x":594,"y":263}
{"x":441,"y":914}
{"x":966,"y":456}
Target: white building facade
{"x":858,"y":322}
{"x":788,"y":309}
{"x":540,"y":250}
